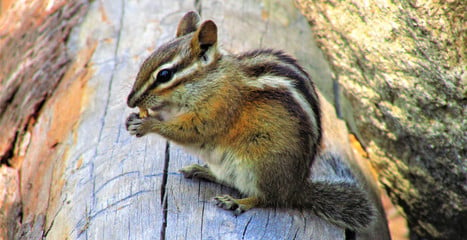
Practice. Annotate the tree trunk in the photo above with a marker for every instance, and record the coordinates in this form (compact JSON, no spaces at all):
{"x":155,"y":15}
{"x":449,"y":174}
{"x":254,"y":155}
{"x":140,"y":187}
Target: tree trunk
{"x":33,"y":61}
{"x":63,"y":107}
{"x":402,"y":67}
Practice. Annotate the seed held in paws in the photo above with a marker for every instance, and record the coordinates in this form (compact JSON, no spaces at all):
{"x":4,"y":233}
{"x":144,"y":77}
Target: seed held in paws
{"x":143,"y":113}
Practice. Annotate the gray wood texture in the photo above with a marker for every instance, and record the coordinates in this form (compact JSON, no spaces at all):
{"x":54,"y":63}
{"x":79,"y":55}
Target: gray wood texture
{"x":106,"y":184}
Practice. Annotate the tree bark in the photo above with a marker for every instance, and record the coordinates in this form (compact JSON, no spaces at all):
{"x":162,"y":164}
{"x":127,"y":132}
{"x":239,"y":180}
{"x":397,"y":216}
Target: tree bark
{"x":401,"y":65}
{"x":33,"y":62}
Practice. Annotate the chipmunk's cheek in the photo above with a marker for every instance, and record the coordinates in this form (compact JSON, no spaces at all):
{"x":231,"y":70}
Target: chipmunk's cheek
{"x":143,"y":113}
{"x":155,"y":114}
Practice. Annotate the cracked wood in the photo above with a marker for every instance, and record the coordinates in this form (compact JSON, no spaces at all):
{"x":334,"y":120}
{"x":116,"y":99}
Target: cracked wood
{"x":106,"y":184}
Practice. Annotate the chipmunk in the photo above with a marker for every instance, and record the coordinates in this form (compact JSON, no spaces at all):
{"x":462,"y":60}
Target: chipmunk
{"x":254,"y":118}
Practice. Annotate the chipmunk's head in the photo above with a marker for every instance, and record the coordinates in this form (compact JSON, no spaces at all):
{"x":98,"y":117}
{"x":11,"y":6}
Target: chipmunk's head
{"x":163,"y":78}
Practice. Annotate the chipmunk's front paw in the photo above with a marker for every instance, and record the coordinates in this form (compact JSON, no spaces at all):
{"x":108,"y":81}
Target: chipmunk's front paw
{"x":138,"y":126}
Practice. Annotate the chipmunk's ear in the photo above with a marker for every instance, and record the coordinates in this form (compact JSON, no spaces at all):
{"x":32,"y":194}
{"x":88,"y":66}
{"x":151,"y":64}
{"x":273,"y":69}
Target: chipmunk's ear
{"x":205,"y":36}
{"x":188,"y":23}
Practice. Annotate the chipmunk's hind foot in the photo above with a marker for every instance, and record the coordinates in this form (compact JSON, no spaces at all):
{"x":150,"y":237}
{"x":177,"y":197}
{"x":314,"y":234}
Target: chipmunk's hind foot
{"x":238,"y":206}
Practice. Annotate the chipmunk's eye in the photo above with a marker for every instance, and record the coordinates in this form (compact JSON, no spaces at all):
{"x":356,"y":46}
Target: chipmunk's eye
{"x":164,"y":75}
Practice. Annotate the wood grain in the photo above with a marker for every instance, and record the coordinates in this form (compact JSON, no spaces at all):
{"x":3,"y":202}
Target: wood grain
{"x":106,"y":184}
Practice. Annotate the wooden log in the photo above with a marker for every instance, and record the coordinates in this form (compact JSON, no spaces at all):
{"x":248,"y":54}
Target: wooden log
{"x":34,"y":59}
{"x":10,"y":202}
{"x":85,"y":177}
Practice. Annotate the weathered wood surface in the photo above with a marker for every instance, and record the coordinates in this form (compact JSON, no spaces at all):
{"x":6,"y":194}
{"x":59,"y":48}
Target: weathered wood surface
{"x":33,"y":60}
{"x":9,"y":202}
{"x":101,"y":183}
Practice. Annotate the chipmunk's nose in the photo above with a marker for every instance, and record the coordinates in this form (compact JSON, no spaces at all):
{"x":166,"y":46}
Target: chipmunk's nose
{"x":131,"y":101}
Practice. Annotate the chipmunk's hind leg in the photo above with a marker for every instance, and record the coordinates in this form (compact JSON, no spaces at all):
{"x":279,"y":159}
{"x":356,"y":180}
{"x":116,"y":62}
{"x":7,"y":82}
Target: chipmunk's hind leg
{"x":198,"y":171}
{"x":238,"y":206}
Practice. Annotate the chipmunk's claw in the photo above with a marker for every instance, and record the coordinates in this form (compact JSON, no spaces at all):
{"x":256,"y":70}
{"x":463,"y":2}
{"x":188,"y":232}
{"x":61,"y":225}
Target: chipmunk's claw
{"x":227,"y":202}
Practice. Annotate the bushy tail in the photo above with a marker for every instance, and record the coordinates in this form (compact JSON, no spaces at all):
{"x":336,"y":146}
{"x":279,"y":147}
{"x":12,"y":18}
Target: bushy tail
{"x":341,"y":203}
{"x":338,"y":198}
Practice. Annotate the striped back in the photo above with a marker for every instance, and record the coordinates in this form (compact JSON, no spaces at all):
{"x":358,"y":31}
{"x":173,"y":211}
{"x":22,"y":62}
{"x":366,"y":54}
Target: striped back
{"x":277,"y":70}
